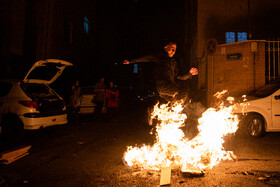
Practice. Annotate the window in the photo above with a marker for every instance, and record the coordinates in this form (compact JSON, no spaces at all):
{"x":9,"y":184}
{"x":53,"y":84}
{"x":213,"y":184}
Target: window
{"x":241,"y":36}
{"x":135,"y":68}
{"x":86,"y":24}
{"x":231,"y":37}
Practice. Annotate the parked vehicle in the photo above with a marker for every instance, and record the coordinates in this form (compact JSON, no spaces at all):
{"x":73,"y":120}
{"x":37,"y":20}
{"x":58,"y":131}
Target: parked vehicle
{"x":87,"y":102}
{"x":31,"y":103}
{"x":261,"y":113}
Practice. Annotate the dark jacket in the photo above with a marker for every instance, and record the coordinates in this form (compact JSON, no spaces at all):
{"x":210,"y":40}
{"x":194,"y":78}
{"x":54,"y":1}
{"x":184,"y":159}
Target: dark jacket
{"x":166,"y":68}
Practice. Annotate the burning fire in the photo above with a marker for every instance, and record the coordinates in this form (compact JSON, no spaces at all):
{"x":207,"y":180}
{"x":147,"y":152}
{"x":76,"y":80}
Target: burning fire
{"x":172,"y":148}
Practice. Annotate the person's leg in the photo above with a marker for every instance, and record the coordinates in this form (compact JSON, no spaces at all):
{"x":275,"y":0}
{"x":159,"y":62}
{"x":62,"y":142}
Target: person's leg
{"x":167,"y":91}
{"x":149,"y":115}
{"x":182,"y":95}
{"x":113,"y":113}
{"x":98,"y":108}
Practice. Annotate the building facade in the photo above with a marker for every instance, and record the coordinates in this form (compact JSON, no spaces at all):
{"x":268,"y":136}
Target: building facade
{"x":34,"y":30}
{"x":222,"y":29}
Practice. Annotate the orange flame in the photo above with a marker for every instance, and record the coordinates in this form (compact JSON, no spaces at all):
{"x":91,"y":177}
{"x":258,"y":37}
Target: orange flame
{"x":173,"y":148}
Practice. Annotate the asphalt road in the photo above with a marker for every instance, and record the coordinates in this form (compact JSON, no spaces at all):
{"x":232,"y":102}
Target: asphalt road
{"x":88,"y":152}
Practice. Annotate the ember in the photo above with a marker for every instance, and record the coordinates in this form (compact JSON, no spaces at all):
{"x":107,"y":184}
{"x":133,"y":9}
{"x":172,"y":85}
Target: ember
{"x":173,"y":149}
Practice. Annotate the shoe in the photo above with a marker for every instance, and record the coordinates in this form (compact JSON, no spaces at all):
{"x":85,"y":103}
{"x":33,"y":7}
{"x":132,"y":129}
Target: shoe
{"x":149,"y":116}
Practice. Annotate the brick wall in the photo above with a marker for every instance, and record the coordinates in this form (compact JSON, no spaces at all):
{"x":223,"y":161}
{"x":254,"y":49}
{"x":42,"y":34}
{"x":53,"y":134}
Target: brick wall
{"x":234,"y":67}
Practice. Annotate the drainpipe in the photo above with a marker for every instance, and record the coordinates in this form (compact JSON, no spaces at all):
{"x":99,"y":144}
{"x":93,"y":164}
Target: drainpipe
{"x":249,"y":21}
{"x":254,"y":63}
{"x":212,"y":62}
{"x":254,"y":49}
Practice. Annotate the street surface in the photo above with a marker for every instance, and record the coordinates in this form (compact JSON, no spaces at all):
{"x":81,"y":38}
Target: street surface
{"x":88,"y":152}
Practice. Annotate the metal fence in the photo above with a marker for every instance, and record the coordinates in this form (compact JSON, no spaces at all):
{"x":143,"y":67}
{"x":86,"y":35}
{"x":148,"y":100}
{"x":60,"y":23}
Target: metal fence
{"x":272,"y":61}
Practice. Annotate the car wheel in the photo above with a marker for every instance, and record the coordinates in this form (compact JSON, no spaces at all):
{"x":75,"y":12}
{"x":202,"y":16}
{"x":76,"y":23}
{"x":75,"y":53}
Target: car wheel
{"x":254,"y":125}
{"x":12,"y":128}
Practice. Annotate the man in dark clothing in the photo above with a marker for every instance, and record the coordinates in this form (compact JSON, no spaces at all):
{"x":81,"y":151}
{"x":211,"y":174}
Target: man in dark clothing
{"x":166,"y":72}
{"x":100,"y":91}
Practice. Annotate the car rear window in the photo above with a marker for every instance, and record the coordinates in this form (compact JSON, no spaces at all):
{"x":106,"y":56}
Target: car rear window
{"x":37,"y":90}
{"x":44,"y":72}
{"x":5,"y":87}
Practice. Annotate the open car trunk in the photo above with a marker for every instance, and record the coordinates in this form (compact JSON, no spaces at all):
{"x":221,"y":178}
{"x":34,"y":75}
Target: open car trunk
{"x":46,"y":98}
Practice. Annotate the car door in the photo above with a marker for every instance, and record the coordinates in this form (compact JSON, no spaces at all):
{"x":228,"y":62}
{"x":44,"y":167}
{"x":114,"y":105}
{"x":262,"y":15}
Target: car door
{"x":46,"y":71}
{"x":275,"y":102}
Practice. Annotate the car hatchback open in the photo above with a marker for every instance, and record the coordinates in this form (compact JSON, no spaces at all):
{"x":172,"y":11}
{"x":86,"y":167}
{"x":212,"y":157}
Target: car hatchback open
{"x":31,"y":103}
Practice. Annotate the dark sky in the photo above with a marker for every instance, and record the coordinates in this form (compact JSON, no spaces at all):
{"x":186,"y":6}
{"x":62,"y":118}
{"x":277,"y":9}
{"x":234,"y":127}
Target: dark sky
{"x":129,"y":28}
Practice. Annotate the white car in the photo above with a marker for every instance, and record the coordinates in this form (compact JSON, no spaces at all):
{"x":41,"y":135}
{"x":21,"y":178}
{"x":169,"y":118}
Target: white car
{"x":31,"y":103}
{"x":261,"y":113}
{"x":87,"y":100}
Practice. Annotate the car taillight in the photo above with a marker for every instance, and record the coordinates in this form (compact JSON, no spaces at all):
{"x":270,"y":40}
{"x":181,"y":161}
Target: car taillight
{"x":28,"y":103}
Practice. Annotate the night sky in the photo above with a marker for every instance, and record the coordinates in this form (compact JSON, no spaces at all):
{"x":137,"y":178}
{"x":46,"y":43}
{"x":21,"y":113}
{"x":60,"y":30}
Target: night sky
{"x":130,"y":29}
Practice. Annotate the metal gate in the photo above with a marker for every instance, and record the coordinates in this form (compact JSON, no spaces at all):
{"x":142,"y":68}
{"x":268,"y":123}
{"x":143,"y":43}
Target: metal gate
{"x":272,"y":61}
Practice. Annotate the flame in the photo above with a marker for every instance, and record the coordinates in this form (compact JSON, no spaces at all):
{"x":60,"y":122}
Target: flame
{"x":172,"y":148}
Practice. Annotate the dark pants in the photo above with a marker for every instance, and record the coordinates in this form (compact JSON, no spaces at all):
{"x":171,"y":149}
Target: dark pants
{"x":112,"y":112}
{"x":99,"y":105}
{"x":167,"y":90}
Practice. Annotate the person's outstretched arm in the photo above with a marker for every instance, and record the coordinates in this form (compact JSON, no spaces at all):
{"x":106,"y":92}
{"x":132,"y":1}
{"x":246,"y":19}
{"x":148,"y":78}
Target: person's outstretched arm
{"x":149,"y":58}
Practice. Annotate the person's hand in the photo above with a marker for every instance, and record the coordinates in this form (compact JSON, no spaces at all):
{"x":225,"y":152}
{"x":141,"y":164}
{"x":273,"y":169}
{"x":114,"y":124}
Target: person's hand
{"x":125,"y":62}
{"x":194,"y":71}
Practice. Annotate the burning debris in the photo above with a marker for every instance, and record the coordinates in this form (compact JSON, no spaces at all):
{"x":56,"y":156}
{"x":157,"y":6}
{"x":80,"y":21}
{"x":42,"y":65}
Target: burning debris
{"x":173,"y":150}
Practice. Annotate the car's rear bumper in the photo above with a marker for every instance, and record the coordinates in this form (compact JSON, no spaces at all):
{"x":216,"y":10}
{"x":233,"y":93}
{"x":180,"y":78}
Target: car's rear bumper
{"x":44,"y":114}
{"x":32,"y":122}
